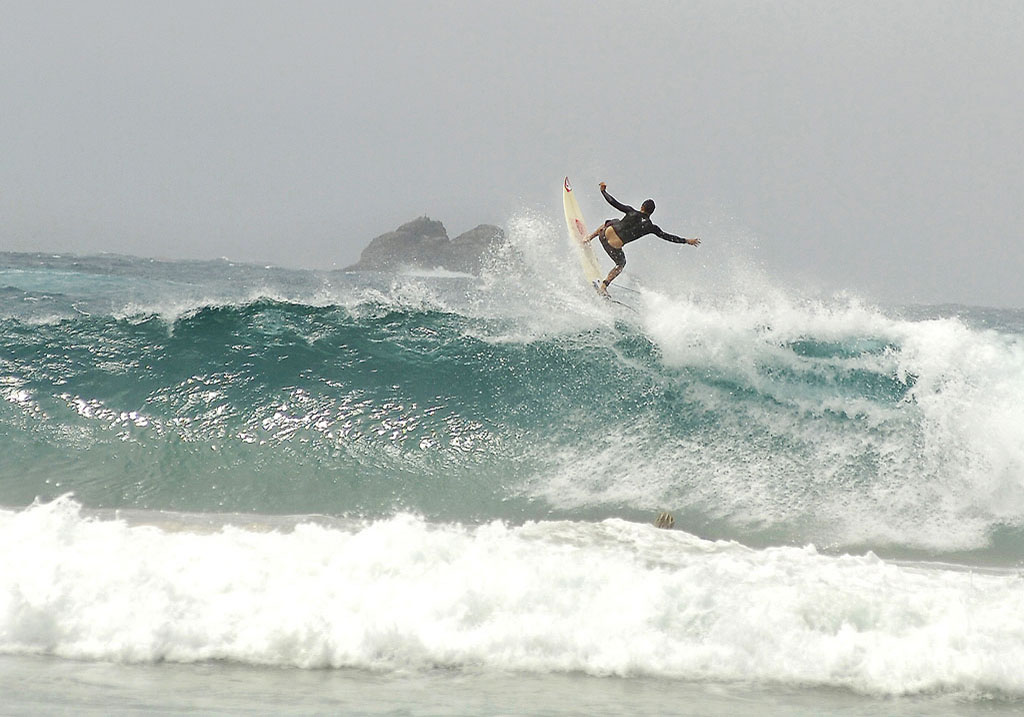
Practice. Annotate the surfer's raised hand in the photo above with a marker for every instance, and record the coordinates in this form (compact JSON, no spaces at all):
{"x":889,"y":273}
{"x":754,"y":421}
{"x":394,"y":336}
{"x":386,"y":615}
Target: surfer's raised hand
{"x":602,"y":186}
{"x":693,"y":242}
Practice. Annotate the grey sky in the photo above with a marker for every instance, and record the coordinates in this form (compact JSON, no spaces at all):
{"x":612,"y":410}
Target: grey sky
{"x":870,"y":146}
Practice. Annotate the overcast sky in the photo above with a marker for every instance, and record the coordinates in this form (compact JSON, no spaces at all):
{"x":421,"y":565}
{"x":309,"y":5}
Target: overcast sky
{"x":870,"y":146}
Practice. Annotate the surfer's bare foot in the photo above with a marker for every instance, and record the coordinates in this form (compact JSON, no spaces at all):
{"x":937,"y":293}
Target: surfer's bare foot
{"x":601,"y":287}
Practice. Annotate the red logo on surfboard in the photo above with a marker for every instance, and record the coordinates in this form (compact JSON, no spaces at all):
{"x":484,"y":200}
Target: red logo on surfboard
{"x":579,"y":226}
{"x":568,"y":187}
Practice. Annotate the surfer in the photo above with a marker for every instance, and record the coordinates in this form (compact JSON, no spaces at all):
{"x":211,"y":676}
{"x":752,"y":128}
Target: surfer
{"x":615,"y":233}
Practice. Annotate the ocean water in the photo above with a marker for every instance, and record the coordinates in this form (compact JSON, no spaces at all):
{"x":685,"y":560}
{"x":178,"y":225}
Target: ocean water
{"x":232,"y":488}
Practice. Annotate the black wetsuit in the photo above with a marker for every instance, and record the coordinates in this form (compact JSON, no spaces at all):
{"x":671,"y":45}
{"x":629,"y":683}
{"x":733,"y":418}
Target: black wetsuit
{"x":630,"y":228}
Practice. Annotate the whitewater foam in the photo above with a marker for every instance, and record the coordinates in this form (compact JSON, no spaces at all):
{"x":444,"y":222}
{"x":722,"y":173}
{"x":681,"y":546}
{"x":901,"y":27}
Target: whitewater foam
{"x":609,"y":598}
{"x":952,"y":393}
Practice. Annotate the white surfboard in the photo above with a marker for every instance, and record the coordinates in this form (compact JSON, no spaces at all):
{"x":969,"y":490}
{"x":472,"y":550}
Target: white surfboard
{"x":578,"y":234}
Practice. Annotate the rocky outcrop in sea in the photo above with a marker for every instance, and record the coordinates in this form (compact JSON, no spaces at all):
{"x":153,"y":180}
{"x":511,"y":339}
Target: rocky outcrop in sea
{"x":423,"y":243}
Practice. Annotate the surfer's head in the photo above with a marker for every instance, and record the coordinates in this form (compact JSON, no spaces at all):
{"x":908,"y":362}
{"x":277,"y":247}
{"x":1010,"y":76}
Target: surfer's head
{"x":647,"y":207}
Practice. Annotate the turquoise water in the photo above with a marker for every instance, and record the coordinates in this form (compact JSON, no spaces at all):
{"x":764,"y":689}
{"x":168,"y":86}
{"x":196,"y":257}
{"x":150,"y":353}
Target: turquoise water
{"x":249,"y":468}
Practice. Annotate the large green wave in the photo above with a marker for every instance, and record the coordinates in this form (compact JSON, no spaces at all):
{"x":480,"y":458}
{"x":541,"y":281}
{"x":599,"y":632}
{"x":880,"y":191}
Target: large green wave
{"x":287,"y":407}
{"x":765,"y":417}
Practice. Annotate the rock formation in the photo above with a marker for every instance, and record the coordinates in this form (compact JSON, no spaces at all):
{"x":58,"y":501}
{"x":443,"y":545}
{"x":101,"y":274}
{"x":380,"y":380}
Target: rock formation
{"x":424,"y":244}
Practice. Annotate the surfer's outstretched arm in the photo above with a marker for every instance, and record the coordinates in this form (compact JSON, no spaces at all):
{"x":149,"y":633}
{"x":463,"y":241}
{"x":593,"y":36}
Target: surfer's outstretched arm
{"x":624,"y":208}
{"x":673,"y":238}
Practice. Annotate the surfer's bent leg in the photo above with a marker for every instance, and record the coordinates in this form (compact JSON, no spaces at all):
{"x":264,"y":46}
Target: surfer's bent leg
{"x":599,"y":232}
{"x":617,"y":255}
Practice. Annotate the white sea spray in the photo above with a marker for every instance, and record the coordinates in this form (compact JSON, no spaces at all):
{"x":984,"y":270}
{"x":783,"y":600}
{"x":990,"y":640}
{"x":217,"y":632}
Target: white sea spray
{"x":608,"y":598}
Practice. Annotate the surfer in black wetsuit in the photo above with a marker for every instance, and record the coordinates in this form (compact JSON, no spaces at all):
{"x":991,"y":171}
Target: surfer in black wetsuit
{"x":616,"y":233}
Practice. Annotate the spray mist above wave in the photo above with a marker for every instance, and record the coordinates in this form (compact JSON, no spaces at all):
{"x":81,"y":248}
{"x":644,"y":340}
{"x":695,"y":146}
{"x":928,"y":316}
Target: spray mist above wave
{"x":522,"y":280}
